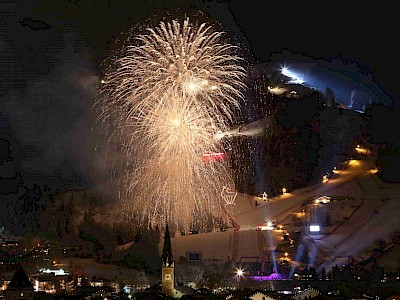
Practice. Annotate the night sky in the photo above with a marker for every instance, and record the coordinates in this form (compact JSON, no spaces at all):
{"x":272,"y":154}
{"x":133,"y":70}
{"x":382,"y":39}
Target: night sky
{"x":51,"y":53}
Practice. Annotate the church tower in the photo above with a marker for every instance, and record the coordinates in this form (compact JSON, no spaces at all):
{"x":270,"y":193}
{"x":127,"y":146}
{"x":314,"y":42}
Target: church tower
{"x":167,"y":270}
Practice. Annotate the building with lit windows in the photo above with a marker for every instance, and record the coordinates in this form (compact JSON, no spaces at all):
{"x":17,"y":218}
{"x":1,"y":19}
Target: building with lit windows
{"x":20,"y":287}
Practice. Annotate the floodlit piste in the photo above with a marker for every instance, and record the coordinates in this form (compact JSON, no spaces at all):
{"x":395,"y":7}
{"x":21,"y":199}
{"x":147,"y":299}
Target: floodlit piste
{"x":166,"y":99}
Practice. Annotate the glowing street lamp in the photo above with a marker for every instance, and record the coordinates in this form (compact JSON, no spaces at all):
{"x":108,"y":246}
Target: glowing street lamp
{"x":239,"y":275}
{"x":284,"y":190}
{"x":325,"y":178}
{"x":265,"y":196}
{"x":335,"y":170}
{"x":361,"y":150}
{"x":239,"y":272}
{"x":373,"y":171}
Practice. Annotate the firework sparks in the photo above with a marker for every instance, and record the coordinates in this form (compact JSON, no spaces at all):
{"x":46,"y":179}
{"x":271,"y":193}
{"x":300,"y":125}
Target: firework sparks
{"x":167,"y":97}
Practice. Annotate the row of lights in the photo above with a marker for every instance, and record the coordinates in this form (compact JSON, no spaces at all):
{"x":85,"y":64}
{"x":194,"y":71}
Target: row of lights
{"x":359,"y":149}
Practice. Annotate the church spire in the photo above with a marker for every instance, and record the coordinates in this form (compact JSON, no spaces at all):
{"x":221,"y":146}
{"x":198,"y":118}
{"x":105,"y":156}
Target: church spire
{"x":167,"y":258}
{"x":167,"y":270}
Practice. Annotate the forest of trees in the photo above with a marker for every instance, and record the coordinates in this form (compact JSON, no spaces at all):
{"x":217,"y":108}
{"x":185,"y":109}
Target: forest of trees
{"x":307,"y":138}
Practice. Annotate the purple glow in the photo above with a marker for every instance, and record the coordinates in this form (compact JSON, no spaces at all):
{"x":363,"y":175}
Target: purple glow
{"x":273,"y":276}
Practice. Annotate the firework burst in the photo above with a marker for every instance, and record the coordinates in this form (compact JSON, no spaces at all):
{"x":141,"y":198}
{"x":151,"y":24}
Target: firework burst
{"x":166,"y":98}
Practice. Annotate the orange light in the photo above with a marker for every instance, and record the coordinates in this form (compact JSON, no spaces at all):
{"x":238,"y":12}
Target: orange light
{"x":374,"y":171}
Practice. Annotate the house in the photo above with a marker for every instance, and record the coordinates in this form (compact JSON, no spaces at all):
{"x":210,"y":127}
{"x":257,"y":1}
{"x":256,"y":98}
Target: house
{"x":181,"y":291}
{"x":50,"y":281}
{"x":20,"y":287}
{"x":307,"y":294}
{"x":260,"y":296}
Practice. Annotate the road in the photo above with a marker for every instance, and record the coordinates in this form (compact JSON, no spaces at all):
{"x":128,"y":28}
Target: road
{"x":279,"y":207}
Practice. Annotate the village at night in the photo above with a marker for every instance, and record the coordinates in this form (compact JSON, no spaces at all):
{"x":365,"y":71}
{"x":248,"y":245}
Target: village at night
{"x":158,"y":150}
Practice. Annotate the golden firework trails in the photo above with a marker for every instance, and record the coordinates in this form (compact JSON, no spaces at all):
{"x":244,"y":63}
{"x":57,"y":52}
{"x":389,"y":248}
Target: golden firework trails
{"x":168,"y":96}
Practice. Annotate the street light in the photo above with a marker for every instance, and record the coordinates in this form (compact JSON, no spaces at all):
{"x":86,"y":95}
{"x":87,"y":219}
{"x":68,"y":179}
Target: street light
{"x":265,"y":196}
{"x":325,"y":178}
{"x":239,"y":275}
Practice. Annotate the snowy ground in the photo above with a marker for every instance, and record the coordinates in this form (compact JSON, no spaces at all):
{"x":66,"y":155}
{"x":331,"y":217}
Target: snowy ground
{"x":375,"y":218}
{"x":370,"y":213}
{"x":92,"y":269}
